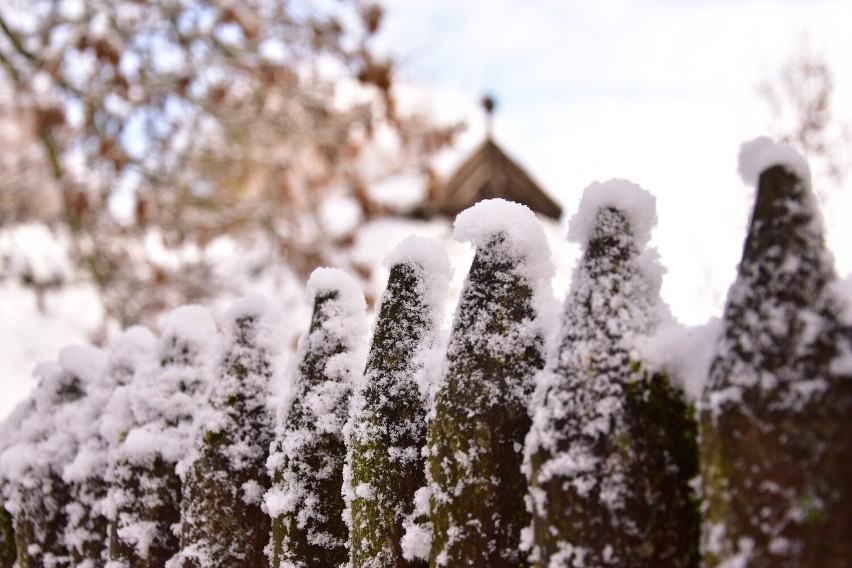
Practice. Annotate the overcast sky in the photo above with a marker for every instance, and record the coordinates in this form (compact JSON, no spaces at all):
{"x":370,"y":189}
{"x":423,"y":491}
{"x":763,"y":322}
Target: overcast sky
{"x":660,"y":92}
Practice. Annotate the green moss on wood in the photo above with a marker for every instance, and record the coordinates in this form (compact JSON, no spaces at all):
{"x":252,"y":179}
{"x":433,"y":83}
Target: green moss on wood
{"x":222,"y":523}
{"x":389,"y":429}
{"x":481,"y":417}
{"x":312,"y":533}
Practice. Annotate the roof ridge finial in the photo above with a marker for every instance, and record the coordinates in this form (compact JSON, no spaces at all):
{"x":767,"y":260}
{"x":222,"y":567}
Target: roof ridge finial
{"x":488,"y":103}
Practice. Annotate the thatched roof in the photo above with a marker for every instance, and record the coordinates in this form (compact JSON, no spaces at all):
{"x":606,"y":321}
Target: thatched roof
{"x":490,"y":173}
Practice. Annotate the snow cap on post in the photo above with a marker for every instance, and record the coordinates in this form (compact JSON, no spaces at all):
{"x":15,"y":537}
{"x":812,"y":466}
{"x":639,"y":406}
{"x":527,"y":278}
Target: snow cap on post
{"x":429,"y":254}
{"x":86,"y":362}
{"x":479,"y":223}
{"x":760,"y":154}
{"x":127,"y":351}
{"x":636,"y":203}
{"x":335,"y":280}
{"x":193,"y":324}
{"x":268,"y":323}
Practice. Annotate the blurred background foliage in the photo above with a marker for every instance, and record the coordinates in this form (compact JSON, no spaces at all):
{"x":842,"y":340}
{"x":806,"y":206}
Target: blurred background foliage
{"x":142,"y":134}
{"x":124,"y":122}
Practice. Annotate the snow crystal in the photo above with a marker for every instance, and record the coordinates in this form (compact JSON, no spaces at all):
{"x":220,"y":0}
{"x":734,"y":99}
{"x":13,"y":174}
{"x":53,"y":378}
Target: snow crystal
{"x":842,"y":290}
{"x":252,"y":492}
{"x":760,"y":154}
{"x":842,"y":363}
{"x":742,"y":557}
{"x":631,"y":199}
{"x":416,"y":542}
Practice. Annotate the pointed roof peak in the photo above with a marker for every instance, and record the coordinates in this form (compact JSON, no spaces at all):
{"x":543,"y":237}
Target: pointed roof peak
{"x":490,"y":173}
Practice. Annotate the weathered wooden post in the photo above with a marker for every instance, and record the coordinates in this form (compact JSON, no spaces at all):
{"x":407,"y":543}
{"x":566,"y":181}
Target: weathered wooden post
{"x":775,"y":441}
{"x":476,"y":436}
{"x":47,"y":443}
{"x":305,"y":503}
{"x":10,"y":434}
{"x":386,"y":430}
{"x":7,"y":537}
{"x":612,"y":447}
{"x":143,"y":499}
{"x":224,"y":476}
{"x":87,"y":526}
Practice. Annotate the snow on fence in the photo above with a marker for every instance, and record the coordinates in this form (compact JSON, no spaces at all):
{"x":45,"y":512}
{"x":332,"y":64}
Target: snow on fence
{"x":526,"y":434}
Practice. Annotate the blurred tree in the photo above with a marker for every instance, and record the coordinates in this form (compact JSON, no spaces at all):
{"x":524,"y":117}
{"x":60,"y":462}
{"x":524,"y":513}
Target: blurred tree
{"x":194,"y":119}
{"x":803,"y":115}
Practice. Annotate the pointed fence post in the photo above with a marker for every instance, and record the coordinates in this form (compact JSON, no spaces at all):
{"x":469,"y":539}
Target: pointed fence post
{"x":131,"y":354}
{"x":7,"y":537}
{"x":386,"y":430}
{"x":775,"y":441}
{"x":86,"y":528}
{"x":476,"y":435}
{"x":11,"y":432}
{"x":305,"y":503}
{"x":48,"y":442}
{"x":225,"y":477}
{"x":163,"y":399}
{"x":612,"y":447}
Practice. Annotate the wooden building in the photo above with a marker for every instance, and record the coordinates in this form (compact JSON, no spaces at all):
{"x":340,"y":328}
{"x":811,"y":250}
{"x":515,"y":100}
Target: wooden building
{"x":490,"y":173}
